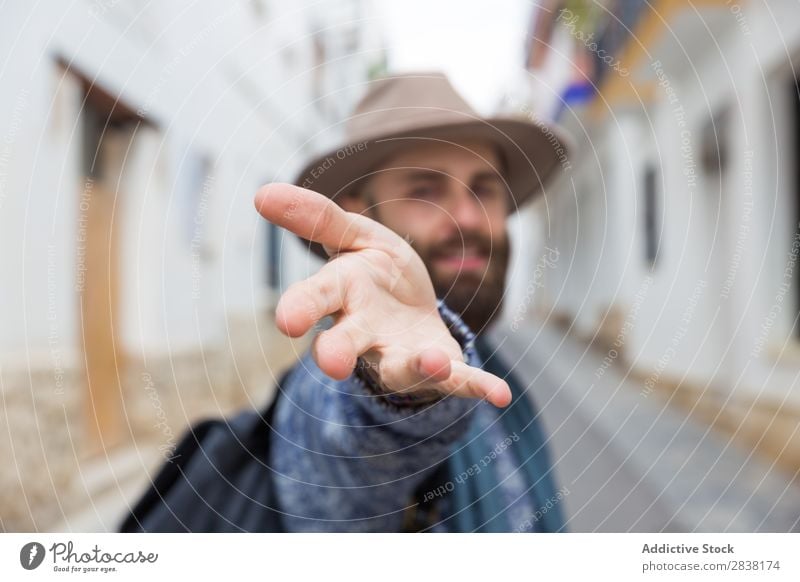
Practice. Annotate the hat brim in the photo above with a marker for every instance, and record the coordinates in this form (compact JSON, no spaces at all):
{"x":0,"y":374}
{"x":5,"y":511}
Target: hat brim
{"x":531,"y":152}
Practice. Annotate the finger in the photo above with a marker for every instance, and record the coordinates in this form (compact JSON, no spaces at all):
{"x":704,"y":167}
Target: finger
{"x":419,"y":373}
{"x":304,"y":303}
{"x":472,"y":382}
{"x":463,"y":380}
{"x":336,"y":350}
{"x":315,"y":217}
{"x":432,"y":365}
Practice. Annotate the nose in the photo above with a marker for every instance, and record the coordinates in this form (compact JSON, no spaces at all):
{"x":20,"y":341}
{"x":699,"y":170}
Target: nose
{"x":467,"y":211}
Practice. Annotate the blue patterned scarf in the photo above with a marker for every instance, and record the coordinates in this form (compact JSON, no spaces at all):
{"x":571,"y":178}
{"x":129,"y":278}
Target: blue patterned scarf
{"x":475,"y":505}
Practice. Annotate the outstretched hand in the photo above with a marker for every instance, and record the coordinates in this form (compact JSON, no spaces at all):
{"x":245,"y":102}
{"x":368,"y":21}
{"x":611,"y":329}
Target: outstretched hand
{"x":381,"y":297}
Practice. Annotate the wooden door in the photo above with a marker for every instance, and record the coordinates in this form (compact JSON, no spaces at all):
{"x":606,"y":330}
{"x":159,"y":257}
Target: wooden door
{"x":99,"y":299}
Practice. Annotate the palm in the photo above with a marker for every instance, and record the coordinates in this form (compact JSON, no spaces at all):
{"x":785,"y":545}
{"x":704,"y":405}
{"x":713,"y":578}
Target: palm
{"x":381,"y":298}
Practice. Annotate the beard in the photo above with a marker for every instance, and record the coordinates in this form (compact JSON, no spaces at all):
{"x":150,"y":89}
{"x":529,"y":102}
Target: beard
{"x":476,"y":296}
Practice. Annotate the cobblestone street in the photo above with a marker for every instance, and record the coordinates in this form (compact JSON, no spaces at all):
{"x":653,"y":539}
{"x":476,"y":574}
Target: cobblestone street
{"x":630,"y":462}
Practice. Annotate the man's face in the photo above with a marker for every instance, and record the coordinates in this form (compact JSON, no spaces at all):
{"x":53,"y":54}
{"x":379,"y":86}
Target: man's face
{"x":450,"y":202}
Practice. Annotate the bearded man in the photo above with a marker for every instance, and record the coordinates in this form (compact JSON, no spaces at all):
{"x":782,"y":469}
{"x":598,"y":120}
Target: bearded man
{"x":399,"y":417}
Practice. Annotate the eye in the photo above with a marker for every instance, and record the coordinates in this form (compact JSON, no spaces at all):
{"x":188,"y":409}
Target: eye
{"x":489,"y":191}
{"x":424,"y":192}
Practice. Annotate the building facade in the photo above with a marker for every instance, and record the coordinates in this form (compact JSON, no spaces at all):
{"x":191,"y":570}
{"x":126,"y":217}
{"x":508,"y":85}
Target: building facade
{"x":676,"y":223}
{"x":138,"y":280}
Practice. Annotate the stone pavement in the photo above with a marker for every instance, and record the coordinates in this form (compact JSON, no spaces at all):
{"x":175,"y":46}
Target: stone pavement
{"x":106,"y":485}
{"x":632,"y":463}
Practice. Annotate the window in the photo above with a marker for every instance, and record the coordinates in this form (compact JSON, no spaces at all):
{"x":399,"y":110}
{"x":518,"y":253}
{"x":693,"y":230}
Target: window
{"x":652,"y":217}
{"x":273,"y":256}
{"x":794,"y":90}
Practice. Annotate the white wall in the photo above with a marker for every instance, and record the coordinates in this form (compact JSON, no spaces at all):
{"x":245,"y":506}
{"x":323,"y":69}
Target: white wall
{"x":725,"y":243}
{"x":228,"y":83}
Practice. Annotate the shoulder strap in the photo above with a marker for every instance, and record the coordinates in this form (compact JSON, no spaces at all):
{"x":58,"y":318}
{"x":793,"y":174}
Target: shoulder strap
{"x":217,"y":480}
{"x":424,"y":510}
{"x":169,"y":473}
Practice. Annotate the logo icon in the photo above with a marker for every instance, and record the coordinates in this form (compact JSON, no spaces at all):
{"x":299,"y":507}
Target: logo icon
{"x":31,"y":555}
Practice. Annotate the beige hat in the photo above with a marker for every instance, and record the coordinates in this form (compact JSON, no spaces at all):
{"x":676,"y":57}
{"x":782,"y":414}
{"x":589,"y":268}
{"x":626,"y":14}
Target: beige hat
{"x":401,"y":110}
